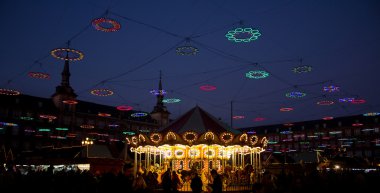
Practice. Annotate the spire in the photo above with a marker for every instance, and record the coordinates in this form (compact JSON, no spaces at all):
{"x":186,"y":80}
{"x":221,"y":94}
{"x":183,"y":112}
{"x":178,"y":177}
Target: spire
{"x":160,"y":95}
{"x":66,"y":73}
{"x":160,"y":113}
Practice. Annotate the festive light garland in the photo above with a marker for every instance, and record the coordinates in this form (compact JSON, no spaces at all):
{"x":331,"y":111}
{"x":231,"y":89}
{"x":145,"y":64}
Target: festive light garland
{"x":156,"y":137}
{"x":252,"y":35}
{"x":253,"y":139}
{"x":139,"y":114}
{"x":39,"y":75}
{"x":226,"y":137}
{"x":259,"y":119}
{"x":158,"y":92}
{"x":238,"y":117}
{"x":172,"y":100}
{"x":190,"y":136}
{"x":187,"y":50}
{"x":70,"y":102}
{"x":302,"y":69}
{"x":371,"y":114}
{"x":50,"y":117}
{"x":87,"y":126}
{"x":102,"y":92}
{"x":257,"y":74}
{"x":207,"y":87}
{"x":358,"y":101}
{"x":347,"y":99}
{"x":142,"y":138}
{"x":98,"y":25}
{"x":327,"y":118}
{"x":171,"y":136}
{"x":325,"y":103}
{"x":104,"y":114}
{"x":124,"y":108}
{"x":9,"y":92}
{"x":286,"y":109}
{"x":295,"y":94}
{"x":243,"y":137}
{"x":67,"y":54}
{"x":209,"y":136}
{"x":331,"y":88}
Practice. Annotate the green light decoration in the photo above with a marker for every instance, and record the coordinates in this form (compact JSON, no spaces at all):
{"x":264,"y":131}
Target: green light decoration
{"x":128,"y":133}
{"x":257,"y":74}
{"x":62,"y":129}
{"x":172,"y":100}
{"x":243,"y":35}
{"x":44,"y":130}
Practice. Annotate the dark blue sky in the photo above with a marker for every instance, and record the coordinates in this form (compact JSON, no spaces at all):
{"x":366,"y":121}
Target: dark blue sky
{"x":338,"y":39}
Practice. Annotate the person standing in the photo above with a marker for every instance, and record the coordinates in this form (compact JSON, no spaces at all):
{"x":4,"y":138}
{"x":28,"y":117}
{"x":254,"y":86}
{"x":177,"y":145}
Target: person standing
{"x":196,"y":183}
{"x":216,"y":185}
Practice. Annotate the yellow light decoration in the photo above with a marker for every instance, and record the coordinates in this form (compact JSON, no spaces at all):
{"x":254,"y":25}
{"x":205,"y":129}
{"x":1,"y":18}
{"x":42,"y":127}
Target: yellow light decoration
{"x":194,"y":153}
{"x":10,"y":92}
{"x":179,"y":153}
{"x":104,"y":114}
{"x":141,"y":138}
{"x":208,"y":152}
{"x":243,"y":138}
{"x":168,"y":154}
{"x":209,"y":136}
{"x":67,"y":54}
{"x":226,"y":137}
{"x":156,"y":137}
{"x":85,"y":126}
{"x":70,"y":102}
{"x":190,"y":136}
{"x":253,"y":139}
{"x":171,"y":136}
{"x":134,"y":140}
{"x":127,"y":140}
{"x":264,"y":142}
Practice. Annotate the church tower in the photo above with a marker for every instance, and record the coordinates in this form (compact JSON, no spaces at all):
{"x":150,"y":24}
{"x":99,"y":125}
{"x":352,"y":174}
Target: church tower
{"x":160,"y":113}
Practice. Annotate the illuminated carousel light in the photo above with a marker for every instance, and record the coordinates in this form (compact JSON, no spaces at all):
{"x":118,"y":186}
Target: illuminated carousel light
{"x":325,"y":103}
{"x":243,"y":35}
{"x":104,"y":114}
{"x":194,"y":153}
{"x":102,"y":92}
{"x":190,"y":136}
{"x":209,"y":136}
{"x":238,"y":117}
{"x":179,"y":153}
{"x":295,"y":94}
{"x":257,"y":74}
{"x":70,"y":102}
{"x":371,"y":114}
{"x":142,"y":138}
{"x":264,"y":142}
{"x":127,"y":141}
{"x":302,"y":69}
{"x":39,"y":75}
{"x":207,"y":87}
{"x":327,"y":118}
{"x":187,"y":50}
{"x":347,"y":99}
{"x":226,"y":137}
{"x":124,"y":108}
{"x":156,"y":137}
{"x":172,"y":100}
{"x":87,"y":126}
{"x":9,"y":92}
{"x":358,"y":101}
{"x":158,"y":92}
{"x":106,"y":25}
{"x":286,"y":109}
{"x":331,"y":88}
{"x":139,"y":114}
{"x":134,"y":140}
{"x":67,"y":54}
{"x":243,"y":137}
{"x":171,"y":136}
{"x":209,"y":153}
{"x":259,"y":119}
{"x":253,"y":139}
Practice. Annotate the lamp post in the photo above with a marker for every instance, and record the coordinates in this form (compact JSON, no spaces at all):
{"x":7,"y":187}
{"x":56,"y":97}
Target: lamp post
{"x":87,"y":142}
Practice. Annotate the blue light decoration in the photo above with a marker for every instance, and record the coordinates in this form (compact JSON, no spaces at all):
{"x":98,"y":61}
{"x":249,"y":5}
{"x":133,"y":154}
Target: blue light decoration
{"x":286,"y":132}
{"x":139,"y":114}
{"x":243,"y":35}
{"x":295,"y":94}
{"x":302,"y":69}
{"x":8,"y":124}
{"x":371,"y":114}
{"x":331,"y":88}
{"x":346,"y":100}
{"x":158,"y":92}
{"x":171,"y":100}
{"x":257,"y":74}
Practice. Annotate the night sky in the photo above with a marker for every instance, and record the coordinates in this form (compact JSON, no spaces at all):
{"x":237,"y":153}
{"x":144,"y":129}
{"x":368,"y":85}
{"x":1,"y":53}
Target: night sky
{"x":337,"y":39}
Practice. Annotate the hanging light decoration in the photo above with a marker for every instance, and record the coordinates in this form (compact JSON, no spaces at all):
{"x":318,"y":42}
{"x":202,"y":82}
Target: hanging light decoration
{"x":257,"y":74}
{"x":39,"y":75}
{"x":171,"y":100}
{"x":302,"y":69}
{"x":106,"y":25}
{"x":331,"y":88}
{"x":295,"y":94}
{"x":207,"y":87}
{"x":67,"y":54}
{"x":102,"y":92}
{"x":243,"y":35}
{"x":10,"y":92}
{"x":124,"y":108}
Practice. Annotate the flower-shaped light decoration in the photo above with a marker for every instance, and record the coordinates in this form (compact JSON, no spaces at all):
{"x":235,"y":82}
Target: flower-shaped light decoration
{"x":207,"y":87}
{"x":139,"y":114}
{"x":156,"y":137}
{"x":10,"y":92}
{"x":325,"y":103}
{"x":171,"y":100}
{"x":286,"y":109}
{"x":302,"y":69}
{"x":295,"y":94}
{"x":358,"y":101}
{"x":102,"y":92}
{"x":371,"y":114}
{"x":106,"y":25}
{"x":253,"y":140}
{"x":70,"y":102}
{"x":331,"y":88}
{"x":124,"y":108}
{"x":39,"y":75}
{"x":243,"y":35}
{"x":238,"y":117}
{"x":257,"y":119}
{"x":346,"y":100}
{"x":226,"y":137}
{"x":67,"y":54}
{"x":158,"y":92}
{"x":187,"y":50}
{"x":257,"y":74}
{"x":190,"y":136}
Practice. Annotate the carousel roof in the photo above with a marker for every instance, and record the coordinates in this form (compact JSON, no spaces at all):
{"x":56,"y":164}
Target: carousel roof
{"x":199,"y":121}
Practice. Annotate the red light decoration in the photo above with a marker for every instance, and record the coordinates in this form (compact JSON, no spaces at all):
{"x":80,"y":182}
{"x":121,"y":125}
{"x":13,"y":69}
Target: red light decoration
{"x":286,"y":109}
{"x":288,"y":124}
{"x":327,"y":118}
{"x":238,"y":117}
{"x":325,"y":103}
{"x":207,"y":87}
{"x":357,"y":124}
{"x":9,"y":92}
{"x":259,"y":119}
{"x":104,"y":114}
{"x":102,"y":92}
{"x":101,"y":24}
{"x":70,"y":102}
{"x":39,"y":75}
{"x":67,"y":54}
{"x":124,"y":108}
{"x":358,"y":101}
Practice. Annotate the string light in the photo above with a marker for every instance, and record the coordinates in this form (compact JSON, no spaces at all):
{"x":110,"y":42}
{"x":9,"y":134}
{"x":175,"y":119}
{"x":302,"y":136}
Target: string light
{"x":302,"y":69}
{"x":87,"y":126}
{"x":187,"y":50}
{"x":171,"y":136}
{"x":67,"y":54}
{"x":139,"y":114}
{"x":243,"y":35}
{"x":347,"y":99}
{"x":358,"y":101}
{"x":104,"y":114}
{"x":325,"y":103}
{"x":124,"y":108}
{"x":102,"y":92}
{"x":100,"y":25}
{"x":226,"y":137}
{"x":207,"y":87}
{"x":156,"y":137}
{"x":243,"y":137}
{"x":295,"y":94}
{"x":171,"y":100}
{"x":331,"y":88}
{"x":9,"y":92}
{"x":257,"y":74}
{"x":190,"y":136}
{"x":39,"y":75}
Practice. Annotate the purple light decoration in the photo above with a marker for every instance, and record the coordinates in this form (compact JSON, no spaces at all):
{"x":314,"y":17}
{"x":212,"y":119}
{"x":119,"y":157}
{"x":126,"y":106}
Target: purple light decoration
{"x":331,"y":88}
{"x":345,"y":100}
{"x":158,"y":92}
{"x":286,"y":109}
{"x":325,"y":103}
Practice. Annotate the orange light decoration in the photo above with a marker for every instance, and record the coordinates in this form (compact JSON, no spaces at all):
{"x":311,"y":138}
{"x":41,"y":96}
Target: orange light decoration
{"x":67,"y":54}
{"x":87,"y":126}
{"x":104,"y":114}
{"x":156,"y":137}
{"x":9,"y":92}
{"x":226,"y":137}
{"x":243,"y":138}
{"x":102,"y":92}
{"x":39,"y":75}
{"x":286,"y":109}
{"x":209,"y":136}
{"x":171,"y":136}
{"x":70,"y":102}
{"x":190,"y":136}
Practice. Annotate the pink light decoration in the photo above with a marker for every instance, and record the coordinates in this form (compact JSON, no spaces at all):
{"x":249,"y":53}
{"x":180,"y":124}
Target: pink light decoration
{"x":50,"y":117}
{"x":288,"y":124}
{"x":238,"y":117}
{"x":207,"y":87}
{"x":85,"y":126}
{"x":327,"y":118}
{"x":124,"y":108}
{"x":358,"y":101}
{"x":70,"y":102}
{"x":259,"y":119}
{"x":286,"y":109}
{"x":357,"y":124}
{"x":325,"y":103}
{"x":39,"y":75}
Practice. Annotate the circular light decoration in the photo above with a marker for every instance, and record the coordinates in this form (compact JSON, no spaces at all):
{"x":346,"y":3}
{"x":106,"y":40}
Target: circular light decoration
{"x":102,"y":92}
{"x":70,"y":102}
{"x":257,"y":74}
{"x":243,"y":137}
{"x":190,"y":136}
{"x":238,"y":117}
{"x":295,"y":94}
{"x":226,"y":137}
{"x":207,"y":87}
{"x":327,"y":118}
{"x":371,"y":114}
{"x":259,"y":119}
{"x":331,"y":88}
{"x":302,"y":69}
{"x":209,"y":153}
{"x":209,"y":136}
{"x":106,"y":25}
{"x":67,"y":54}
{"x":179,"y":153}
{"x":243,"y":35}
{"x":139,"y":114}
{"x":286,"y":109}
{"x":358,"y":101}
{"x":253,"y":139}
{"x":172,"y":100}
{"x":124,"y":108}
{"x":194,"y":152}
{"x":50,"y":117}
{"x":357,"y":124}
{"x":134,"y":140}
{"x":325,"y":103}
{"x":87,"y":126}
{"x":264,"y":142}
{"x":39,"y":75}
{"x":104,"y":114}
{"x":288,"y":124}
{"x":171,"y":136}
{"x":158,"y":92}
{"x":156,"y":137}
{"x":9,"y":92}
{"x":346,"y":100}
{"x":187,"y":50}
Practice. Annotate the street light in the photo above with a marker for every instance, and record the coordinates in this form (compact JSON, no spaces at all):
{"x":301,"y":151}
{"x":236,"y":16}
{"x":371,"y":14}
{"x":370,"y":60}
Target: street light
{"x":86,"y":143}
